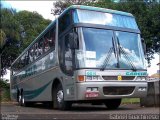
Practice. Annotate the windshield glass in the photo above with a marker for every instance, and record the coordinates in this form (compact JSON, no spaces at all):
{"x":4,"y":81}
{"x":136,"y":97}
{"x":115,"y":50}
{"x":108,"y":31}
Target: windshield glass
{"x":102,"y":18}
{"x":97,"y":46}
{"x":99,"y":49}
{"x":130,"y":46}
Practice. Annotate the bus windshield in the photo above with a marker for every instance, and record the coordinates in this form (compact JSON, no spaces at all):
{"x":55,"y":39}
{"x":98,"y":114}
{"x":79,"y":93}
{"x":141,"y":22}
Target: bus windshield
{"x":102,"y":18}
{"x":100,"y":48}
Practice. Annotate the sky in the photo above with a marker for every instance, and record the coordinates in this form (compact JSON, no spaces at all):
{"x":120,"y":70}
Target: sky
{"x":44,"y":8}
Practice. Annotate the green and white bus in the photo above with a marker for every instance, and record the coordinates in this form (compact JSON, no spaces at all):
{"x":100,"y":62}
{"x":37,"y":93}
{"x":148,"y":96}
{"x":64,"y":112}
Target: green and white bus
{"x":87,"y":54}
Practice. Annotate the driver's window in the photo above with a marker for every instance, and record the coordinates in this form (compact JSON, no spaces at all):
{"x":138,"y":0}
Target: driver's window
{"x":67,"y":54}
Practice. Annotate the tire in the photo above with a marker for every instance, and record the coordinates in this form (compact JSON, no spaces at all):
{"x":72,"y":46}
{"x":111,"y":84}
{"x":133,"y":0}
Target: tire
{"x":59,"y":99}
{"x":112,"y":103}
{"x":24,"y":103}
{"x":19,"y":99}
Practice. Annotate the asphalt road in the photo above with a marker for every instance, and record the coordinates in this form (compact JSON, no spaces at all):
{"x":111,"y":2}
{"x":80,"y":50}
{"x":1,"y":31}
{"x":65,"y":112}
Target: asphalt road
{"x":12,"y":111}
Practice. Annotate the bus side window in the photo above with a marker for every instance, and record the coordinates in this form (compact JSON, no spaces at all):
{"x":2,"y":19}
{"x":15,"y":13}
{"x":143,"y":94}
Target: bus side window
{"x":26,"y":58}
{"x":36,"y":50}
{"x":68,"y":54}
{"x":31,"y":54}
{"x":40,"y":47}
{"x":22,"y":61}
{"x":52,"y":38}
{"x":46,"y":42}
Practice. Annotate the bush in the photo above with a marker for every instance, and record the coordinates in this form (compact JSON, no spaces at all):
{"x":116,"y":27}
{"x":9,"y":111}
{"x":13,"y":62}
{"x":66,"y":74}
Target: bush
{"x":4,"y":91}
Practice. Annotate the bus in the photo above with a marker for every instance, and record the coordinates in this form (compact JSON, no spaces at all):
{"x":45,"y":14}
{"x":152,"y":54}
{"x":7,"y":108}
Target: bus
{"x":87,"y":55}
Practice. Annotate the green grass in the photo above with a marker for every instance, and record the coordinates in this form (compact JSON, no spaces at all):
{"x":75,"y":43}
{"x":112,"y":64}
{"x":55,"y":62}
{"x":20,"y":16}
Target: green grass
{"x":130,"y":100}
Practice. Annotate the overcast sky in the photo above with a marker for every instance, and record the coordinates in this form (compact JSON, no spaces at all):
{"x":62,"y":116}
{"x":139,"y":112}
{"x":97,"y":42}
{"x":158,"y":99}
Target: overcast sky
{"x":44,"y":8}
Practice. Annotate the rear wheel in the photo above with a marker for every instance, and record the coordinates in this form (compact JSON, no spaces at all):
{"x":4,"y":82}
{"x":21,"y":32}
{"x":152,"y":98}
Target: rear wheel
{"x":19,"y":99}
{"x":112,"y":103}
{"x":59,"y":99}
{"x":24,"y":103}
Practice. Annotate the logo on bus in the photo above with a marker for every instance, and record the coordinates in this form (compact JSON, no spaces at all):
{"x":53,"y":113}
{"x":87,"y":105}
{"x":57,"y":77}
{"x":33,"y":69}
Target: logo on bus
{"x":136,"y":73}
{"x":119,"y":78}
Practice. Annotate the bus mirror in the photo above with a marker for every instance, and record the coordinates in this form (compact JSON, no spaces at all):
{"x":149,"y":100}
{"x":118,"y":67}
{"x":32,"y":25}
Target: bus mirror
{"x":73,"y":40}
{"x":144,"y":45}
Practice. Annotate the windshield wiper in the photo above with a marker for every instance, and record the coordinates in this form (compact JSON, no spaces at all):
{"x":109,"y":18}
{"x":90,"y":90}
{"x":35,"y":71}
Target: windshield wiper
{"x":121,"y":50}
{"x":105,"y":63}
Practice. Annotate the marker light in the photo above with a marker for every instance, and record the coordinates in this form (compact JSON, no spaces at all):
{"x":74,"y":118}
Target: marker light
{"x":81,"y":78}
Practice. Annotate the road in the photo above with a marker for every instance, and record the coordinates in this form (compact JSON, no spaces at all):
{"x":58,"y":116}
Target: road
{"x":11,"y":111}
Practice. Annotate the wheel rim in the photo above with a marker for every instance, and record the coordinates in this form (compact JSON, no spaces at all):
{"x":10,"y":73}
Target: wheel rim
{"x":23,"y":100}
{"x":19,"y":98}
{"x":60,"y":96}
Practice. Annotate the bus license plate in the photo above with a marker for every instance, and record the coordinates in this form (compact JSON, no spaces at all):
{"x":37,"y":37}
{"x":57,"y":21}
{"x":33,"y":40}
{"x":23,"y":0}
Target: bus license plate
{"x":92,"y":94}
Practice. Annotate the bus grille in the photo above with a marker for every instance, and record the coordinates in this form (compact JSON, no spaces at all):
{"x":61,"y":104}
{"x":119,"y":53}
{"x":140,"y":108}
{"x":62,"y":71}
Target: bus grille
{"x":118,"y":90}
{"x":116,"y":77}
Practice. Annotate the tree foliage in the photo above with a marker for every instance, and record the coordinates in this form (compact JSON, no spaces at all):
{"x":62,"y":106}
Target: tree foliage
{"x":2,"y":38}
{"x":19,"y":30}
{"x":147,"y":16}
{"x":63,"y":4}
{"x":4,"y":84}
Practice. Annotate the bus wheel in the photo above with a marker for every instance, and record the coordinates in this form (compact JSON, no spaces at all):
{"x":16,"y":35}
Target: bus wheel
{"x":20,"y":99}
{"x":24,"y":103}
{"x":112,"y":103}
{"x":61,"y":104}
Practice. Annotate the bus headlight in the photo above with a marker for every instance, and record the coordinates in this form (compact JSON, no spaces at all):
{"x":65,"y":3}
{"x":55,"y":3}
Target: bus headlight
{"x":91,"y":92}
{"x":92,"y":89}
{"x":89,"y":89}
{"x":140,"y":79}
{"x":143,"y":78}
{"x":92,"y":77}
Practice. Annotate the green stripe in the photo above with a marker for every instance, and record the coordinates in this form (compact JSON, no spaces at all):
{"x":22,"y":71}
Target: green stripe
{"x":34,"y":93}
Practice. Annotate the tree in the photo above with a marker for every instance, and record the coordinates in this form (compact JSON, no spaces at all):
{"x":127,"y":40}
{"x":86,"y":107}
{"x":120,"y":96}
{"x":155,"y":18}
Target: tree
{"x":20,"y":29}
{"x":10,"y":28}
{"x":147,"y":15}
{"x":31,"y":24}
{"x":2,"y":39}
{"x":61,"y":5}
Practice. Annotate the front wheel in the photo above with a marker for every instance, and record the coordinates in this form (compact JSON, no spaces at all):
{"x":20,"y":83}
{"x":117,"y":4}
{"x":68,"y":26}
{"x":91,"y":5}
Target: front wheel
{"x":20,"y":99}
{"x":112,"y":103}
{"x":59,"y":99}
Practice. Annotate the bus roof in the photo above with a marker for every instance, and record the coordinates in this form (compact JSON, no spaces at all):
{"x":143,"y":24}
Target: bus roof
{"x":97,"y":9}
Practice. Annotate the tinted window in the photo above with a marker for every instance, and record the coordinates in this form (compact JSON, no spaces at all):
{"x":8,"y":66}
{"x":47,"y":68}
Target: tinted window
{"x":44,"y":44}
{"x":64,"y":22}
{"x":40,"y":47}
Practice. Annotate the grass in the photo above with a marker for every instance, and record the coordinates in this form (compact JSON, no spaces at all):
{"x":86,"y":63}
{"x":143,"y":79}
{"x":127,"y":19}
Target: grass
{"x":130,"y":100}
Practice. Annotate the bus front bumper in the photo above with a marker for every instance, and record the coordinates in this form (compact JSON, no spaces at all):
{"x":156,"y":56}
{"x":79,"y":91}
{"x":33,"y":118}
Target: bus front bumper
{"x":110,"y":90}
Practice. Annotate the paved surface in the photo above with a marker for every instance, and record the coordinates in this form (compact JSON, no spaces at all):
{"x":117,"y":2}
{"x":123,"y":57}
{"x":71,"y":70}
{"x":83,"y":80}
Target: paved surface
{"x":12,"y":111}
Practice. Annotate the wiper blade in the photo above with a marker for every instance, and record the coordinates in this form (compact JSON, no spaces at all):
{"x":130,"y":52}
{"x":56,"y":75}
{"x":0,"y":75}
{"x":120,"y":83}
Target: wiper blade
{"x":127,"y":58}
{"x":108,"y":56}
{"x":105,"y":63}
{"x":121,"y":50}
